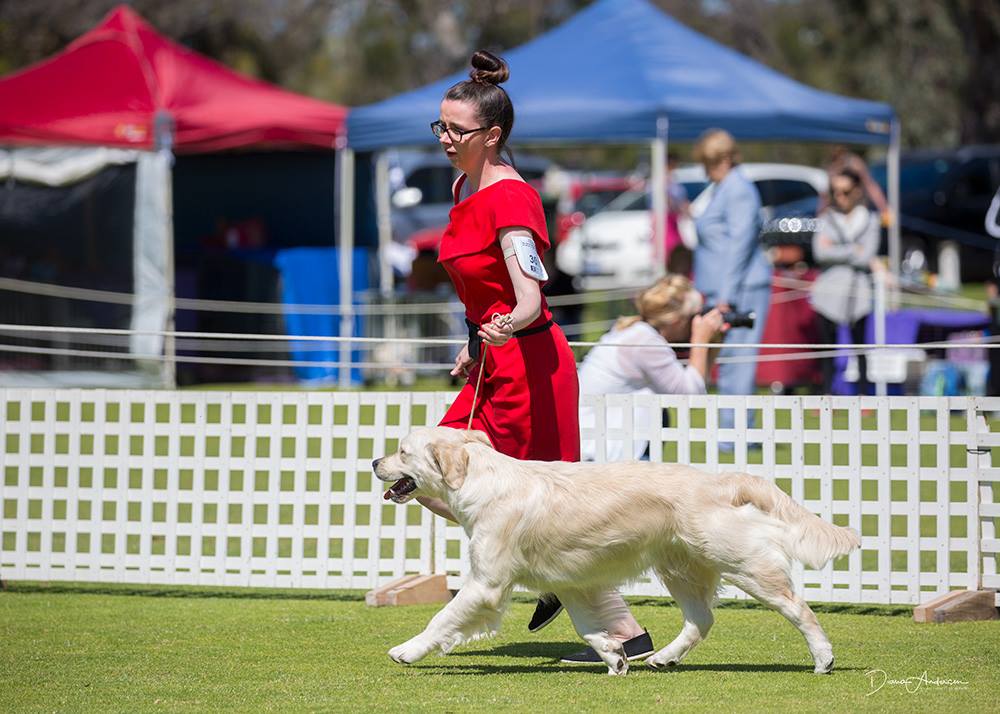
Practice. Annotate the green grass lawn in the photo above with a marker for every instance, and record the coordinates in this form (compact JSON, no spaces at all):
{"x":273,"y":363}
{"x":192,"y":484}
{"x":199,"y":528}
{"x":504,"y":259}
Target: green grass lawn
{"x":117,"y":648}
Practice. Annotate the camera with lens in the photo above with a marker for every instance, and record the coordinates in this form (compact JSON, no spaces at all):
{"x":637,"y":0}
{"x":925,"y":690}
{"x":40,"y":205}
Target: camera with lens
{"x":735,"y":318}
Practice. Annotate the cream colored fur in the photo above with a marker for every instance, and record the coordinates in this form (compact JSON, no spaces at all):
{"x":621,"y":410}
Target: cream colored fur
{"x":576,"y":529}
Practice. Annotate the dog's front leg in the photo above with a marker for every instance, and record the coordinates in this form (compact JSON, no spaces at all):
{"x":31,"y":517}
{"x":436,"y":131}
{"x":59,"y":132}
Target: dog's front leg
{"x":473,"y":613}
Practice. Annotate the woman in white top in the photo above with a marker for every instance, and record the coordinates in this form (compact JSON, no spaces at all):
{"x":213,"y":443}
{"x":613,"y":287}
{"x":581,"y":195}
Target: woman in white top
{"x":635,"y":357}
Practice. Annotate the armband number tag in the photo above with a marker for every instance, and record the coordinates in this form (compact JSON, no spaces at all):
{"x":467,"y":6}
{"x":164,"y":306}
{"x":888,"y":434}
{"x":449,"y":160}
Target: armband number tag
{"x":528,"y":258}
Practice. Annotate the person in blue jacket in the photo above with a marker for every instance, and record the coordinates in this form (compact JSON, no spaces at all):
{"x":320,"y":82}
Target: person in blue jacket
{"x":730,"y":268}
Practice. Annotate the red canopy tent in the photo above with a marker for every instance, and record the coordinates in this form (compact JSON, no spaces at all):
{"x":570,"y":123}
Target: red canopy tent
{"x":124,"y":86}
{"x":108,"y":86}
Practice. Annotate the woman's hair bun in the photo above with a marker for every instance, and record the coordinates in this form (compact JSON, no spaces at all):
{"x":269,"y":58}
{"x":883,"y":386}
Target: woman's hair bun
{"x":487,"y":68}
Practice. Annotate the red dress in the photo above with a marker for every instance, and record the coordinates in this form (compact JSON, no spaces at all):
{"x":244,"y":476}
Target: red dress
{"x":528,"y":401}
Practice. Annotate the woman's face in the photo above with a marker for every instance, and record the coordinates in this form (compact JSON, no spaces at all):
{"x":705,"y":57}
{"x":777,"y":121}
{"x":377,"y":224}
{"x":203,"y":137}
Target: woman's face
{"x":678,"y":331}
{"x":465,"y":151}
{"x":717,"y":171}
{"x":845,"y":193}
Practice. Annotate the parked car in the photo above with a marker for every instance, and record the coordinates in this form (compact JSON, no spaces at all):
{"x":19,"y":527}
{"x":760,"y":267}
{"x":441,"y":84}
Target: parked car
{"x":583,"y":195}
{"x":944,"y":196}
{"x":614,"y":248}
{"x":420,"y":188}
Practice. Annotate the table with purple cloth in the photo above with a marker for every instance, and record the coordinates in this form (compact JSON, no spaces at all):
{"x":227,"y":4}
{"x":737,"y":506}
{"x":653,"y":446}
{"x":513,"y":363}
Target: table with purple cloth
{"x":909,"y":326}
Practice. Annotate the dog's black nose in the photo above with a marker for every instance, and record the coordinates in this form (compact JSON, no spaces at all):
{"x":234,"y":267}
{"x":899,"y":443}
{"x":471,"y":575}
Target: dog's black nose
{"x":375,"y":463}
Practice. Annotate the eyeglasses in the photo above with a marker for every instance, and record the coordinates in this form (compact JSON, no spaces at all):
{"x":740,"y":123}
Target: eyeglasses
{"x":439,"y":128}
{"x":839,"y":192}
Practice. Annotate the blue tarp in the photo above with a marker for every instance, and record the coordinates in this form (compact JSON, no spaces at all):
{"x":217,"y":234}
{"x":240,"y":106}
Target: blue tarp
{"x":311,"y":276}
{"x":612,"y":70}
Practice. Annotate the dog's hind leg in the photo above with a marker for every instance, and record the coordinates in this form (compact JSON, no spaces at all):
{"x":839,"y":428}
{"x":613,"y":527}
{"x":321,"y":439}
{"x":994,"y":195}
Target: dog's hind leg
{"x":773,"y":587}
{"x":695,"y":598}
{"x":585,"y":612}
{"x":475,"y":612}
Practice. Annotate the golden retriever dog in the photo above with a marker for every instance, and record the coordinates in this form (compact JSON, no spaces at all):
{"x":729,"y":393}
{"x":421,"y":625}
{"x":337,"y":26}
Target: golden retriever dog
{"x":579,"y":529}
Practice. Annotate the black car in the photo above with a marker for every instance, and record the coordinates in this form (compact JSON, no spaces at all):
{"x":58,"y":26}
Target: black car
{"x":944,"y":195}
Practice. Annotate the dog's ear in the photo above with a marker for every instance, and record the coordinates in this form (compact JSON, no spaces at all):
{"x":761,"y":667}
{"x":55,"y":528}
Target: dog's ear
{"x":452,"y":462}
{"x":473,"y":436}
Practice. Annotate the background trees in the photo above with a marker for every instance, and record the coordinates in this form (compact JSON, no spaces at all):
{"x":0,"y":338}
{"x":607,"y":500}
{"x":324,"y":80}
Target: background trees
{"x":937,"y":63}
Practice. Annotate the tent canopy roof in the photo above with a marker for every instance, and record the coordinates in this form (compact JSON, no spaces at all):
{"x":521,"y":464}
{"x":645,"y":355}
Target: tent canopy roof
{"x":624,"y":71}
{"x":108,"y":86}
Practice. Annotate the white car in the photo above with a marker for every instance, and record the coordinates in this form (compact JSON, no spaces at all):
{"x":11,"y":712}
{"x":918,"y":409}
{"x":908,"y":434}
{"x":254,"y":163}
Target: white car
{"x":614,"y":248}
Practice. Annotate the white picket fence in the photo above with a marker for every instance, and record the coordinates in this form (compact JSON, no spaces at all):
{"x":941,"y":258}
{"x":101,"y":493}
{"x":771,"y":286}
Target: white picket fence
{"x":275,"y":489}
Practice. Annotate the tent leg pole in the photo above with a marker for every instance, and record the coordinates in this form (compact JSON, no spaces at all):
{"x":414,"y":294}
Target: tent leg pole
{"x":170,"y":341}
{"x":384,"y":222}
{"x":895,"y":243}
{"x":658,"y":176}
{"x":345,"y":260}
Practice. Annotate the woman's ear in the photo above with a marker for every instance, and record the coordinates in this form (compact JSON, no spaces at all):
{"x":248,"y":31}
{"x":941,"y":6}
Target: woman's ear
{"x":452,"y":462}
{"x":493,"y":136}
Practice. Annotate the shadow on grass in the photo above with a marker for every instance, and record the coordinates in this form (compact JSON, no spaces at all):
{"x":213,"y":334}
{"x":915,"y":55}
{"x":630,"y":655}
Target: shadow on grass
{"x":466,"y":668}
{"x":166,"y":591}
{"x":242,"y":593}
{"x":552,"y":651}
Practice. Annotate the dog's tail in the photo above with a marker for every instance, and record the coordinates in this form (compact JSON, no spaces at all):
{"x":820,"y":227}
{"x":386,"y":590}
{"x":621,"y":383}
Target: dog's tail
{"x":810,"y":539}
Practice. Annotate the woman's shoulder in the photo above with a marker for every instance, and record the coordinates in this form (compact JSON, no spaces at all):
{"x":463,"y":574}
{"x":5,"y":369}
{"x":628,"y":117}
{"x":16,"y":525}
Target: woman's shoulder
{"x":639,"y":332}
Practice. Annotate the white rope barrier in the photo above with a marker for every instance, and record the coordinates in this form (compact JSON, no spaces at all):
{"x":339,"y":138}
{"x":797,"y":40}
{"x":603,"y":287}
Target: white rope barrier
{"x":992,"y":342}
{"x":238,"y":361}
{"x":800,"y":290}
{"x":416,"y":308}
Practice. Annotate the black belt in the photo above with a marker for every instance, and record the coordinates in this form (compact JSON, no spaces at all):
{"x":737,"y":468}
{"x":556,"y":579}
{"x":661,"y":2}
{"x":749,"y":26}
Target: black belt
{"x":475,"y":341}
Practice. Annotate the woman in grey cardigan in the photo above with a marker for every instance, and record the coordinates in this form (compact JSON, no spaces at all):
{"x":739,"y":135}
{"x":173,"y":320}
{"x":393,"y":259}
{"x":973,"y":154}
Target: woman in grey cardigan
{"x":844,"y":246}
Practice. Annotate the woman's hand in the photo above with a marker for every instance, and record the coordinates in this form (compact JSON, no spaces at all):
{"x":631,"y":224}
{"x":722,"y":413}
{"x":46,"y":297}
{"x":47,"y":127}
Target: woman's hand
{"x":462,"y":363}
{"x":498,"y":331}
{"x":708,"y":327}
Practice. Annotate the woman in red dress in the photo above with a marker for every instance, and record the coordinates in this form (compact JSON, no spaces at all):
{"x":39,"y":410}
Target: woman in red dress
{"x":528,"y":402}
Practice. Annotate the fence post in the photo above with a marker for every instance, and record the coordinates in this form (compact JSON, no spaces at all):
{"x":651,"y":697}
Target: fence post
{"x":880,"y":309}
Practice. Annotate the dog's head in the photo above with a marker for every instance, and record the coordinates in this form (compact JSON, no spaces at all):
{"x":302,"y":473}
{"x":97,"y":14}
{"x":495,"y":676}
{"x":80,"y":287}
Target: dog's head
{"x":429,"y":462}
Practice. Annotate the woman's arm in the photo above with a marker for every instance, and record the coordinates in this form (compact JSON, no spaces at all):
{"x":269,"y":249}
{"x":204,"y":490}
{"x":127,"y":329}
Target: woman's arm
{"x":827,"y":251}
{"x":866,"y":244}
{"x":705,"y":329}
{"x":527,"y":291}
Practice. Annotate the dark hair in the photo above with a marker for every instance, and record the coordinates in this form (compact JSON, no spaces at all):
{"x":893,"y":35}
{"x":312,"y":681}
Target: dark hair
{"x":849,"y":174}
{"x":483,"y":91}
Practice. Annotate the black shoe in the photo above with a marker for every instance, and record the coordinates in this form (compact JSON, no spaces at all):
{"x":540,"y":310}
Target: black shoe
{"x":547,"y":609}
{"x":639,"y":647}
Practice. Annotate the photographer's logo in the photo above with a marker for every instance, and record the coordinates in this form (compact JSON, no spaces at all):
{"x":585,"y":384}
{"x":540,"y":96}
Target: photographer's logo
{"x":878,"y":678}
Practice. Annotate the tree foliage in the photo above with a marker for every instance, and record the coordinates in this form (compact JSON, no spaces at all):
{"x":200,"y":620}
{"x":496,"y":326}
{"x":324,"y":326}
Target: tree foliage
{"x":937,"y":63}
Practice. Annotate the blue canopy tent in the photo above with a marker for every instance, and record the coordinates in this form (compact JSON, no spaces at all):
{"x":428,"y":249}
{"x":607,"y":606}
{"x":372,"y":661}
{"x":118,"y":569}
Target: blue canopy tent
{"x":623,"y":71}
{"x":619,"y":71}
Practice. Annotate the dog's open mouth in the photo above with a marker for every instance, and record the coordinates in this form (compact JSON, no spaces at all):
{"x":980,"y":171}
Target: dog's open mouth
{"x":401,"y":490}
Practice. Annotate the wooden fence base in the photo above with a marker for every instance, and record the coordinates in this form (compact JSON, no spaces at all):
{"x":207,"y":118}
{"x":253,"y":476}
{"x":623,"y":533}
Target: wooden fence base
{"x":410,"y":590}
{"x":957,"y":606}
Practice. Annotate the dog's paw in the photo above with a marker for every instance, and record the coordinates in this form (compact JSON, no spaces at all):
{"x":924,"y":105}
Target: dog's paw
{"x":669,"y":656}
{"x":612,"y":652}
{"x":409,"y":652}
{"x":824,"y":665}
{"x":662,"y":662}
{"x":619,"y":667}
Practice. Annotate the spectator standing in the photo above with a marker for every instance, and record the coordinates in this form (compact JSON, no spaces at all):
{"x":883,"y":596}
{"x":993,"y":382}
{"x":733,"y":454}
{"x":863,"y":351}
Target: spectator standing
{"x":844,"y":246}
{"x":731,"y":270}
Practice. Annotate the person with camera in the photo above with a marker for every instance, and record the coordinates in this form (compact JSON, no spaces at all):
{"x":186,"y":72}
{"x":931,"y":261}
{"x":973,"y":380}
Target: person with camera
{"x":730,"y":267}
{"x":635,"y":356}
